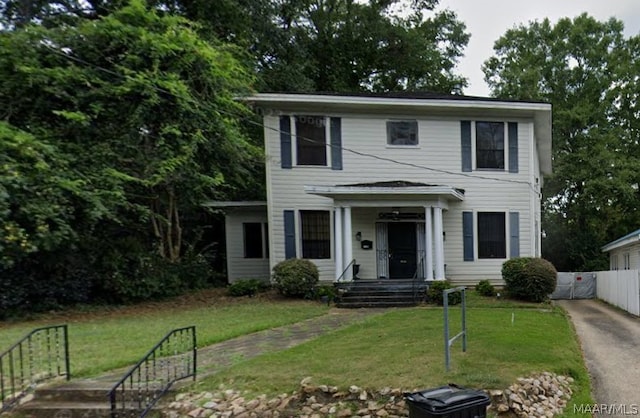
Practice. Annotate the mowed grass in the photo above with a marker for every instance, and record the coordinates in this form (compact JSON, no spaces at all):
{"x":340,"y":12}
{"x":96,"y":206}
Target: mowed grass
{"x":106,"y":339}
{"x":404,"y":348}
{"x":401,"y":348}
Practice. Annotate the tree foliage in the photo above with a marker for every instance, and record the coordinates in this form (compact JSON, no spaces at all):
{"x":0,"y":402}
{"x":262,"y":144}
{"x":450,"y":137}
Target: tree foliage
{"x":588,"y":70}
{"x":117,"y":129}
{"x":339,"y":45}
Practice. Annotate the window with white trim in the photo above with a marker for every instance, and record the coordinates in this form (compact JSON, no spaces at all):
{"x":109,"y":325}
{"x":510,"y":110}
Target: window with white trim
{"x":492,"y":237}
{"x":626,"y":257}
{"x":256,"y":243}
{"x":490,"y":145}
{"x":402,"y":132}
{"x":614,"y":261}
{"x":315,"y":226}
{"x":311,"y":140}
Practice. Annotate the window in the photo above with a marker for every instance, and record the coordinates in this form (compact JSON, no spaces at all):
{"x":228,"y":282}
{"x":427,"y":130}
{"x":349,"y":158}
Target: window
{"x":614,"y":262}
{"x":492,"y":242}
{"x":316,"y":234}
{"x":627,"y":261}
{"x":402,"y":132}
{"x":255,"y":240}
{"x":490,"y":145}
{"x":311,"y":140}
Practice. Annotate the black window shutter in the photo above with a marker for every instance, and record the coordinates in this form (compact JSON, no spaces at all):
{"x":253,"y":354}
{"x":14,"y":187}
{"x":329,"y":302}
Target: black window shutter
{"x":285,"y":142}
{"x":513,"y":147}
{"x":514,"y":232}
{"x":289,"y":234}
{"x":467,"y":235}
{"x":465,"y":137}
{"x":336,"y":144}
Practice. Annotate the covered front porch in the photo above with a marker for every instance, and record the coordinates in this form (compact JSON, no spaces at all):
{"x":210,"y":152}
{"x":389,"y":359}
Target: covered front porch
{"x":389,"y":230}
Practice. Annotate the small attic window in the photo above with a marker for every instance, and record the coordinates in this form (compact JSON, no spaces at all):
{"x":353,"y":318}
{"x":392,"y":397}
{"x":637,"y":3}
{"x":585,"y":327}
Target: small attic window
{"x":402,"y":132}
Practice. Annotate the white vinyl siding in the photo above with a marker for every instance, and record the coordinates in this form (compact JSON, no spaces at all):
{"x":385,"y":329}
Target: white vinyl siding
{"x":625,"y":258}
{"x":238,"y":266}
{"x":437,"y":160}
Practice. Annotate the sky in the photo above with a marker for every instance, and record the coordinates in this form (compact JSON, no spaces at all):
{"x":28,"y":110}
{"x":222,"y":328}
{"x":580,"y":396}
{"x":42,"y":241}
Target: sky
{"x":487,"y":20}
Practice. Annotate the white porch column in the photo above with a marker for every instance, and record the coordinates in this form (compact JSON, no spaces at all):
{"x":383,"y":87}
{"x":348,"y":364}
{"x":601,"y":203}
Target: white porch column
{"x":347,"y":244}
{"x":337,"y":223}
{"x":439,"y":242}
{"x":428,"y":247}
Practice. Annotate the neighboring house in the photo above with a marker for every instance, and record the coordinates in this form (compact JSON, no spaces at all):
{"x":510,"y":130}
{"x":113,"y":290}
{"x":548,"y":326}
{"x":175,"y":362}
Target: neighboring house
{"x":401,"y":185}
{"x":624,"y":253}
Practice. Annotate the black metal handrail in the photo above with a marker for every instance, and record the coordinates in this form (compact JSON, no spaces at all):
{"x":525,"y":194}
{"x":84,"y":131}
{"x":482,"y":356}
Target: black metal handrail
{"x":415,"y":280}
{"x":173,"y":358}
{"x":350,"y":265}
{"x":41,"y":355}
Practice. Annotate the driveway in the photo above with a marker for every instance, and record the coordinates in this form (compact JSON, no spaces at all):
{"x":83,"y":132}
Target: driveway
{"x":611,"y":343}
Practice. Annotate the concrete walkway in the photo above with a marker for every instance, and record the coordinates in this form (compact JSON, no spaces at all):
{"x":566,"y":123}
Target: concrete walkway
{"x":610,"y":341}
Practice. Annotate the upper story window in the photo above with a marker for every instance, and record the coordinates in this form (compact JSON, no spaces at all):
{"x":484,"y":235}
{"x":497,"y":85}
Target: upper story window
{"x":311,"y":140}
{"x":402,"y":132}
{"x":490,"y":145}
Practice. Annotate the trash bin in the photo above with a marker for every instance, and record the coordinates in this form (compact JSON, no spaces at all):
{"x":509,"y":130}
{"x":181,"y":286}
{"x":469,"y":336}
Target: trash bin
{"x":450,"y":401}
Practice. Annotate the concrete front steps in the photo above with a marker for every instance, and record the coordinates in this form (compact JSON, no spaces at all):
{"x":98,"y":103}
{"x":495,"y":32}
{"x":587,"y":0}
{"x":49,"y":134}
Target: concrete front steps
{"x":83,"y":399}
{"x":380,"y":293}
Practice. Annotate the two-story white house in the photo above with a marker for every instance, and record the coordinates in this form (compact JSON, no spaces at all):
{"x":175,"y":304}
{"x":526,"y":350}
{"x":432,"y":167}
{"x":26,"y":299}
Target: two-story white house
{"x":400,"y":185}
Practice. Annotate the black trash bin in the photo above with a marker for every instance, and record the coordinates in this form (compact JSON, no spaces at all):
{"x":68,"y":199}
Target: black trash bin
{"x":450,"y":401}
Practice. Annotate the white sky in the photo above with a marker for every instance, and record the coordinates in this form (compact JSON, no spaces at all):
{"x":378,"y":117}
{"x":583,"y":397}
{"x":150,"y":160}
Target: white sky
{"x":487,"y":20}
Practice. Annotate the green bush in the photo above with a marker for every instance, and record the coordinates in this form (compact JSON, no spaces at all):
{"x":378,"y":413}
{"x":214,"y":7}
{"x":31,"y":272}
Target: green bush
{"x":528,"y":278}
{"x":247,"y":287}
{"x":434,"y":293}
{"x":295,"y":278}
{"x":485,"y":288}
{"x":325,"y":290}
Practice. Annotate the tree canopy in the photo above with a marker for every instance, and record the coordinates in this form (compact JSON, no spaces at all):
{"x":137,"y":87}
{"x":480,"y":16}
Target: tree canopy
{"x":589,"y":71}
{"x":117,"y":128}
{"x":339,"y":45}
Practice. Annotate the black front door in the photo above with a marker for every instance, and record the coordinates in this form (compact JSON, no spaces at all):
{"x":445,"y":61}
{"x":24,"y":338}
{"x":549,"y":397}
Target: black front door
{"x":402,"y":249}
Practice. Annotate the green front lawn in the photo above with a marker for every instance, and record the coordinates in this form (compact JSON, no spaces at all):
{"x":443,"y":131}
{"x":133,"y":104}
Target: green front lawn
{"x":108,"y":338}
{"x":400,"y":348}
{"x":404,"y":348}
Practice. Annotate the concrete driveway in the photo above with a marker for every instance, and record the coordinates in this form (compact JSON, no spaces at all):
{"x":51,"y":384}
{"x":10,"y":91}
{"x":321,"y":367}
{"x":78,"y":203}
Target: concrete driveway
{"x":611,"y":343}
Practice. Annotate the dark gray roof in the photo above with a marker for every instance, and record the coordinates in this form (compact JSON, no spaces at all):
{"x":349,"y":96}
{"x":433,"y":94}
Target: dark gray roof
{"x":420,"y":95}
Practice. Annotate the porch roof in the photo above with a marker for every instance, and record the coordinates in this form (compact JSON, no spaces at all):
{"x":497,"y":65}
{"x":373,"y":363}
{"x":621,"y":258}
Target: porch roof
{"x":387,"y":190}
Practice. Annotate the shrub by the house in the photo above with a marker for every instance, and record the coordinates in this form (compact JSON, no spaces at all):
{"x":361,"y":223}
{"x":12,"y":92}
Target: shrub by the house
{"x":248,"y":287}
{"x":528,"y":278}
{"x":485,"y":288}
{"x":295,"y":278}
{"x":434,"y":293}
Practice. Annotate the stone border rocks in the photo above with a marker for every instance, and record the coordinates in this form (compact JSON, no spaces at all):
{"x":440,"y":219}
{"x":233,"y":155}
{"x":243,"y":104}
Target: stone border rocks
{"x":542,"y":395}
{"x":539,"y":396}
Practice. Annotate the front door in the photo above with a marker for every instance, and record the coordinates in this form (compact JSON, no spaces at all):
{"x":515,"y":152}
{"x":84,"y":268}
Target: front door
{"x":402,"y":249}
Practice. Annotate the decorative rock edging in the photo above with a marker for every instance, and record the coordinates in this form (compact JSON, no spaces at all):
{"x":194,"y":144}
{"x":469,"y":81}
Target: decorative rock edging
{"x":539,"y":396}
{"x":309,"y":401}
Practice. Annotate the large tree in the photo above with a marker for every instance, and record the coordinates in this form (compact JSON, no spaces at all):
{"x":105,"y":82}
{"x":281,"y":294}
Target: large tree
{"x":146,"y":107}
{"x":339,"y":45}
{"x":116,"y":130}
{"x":588,"y":70}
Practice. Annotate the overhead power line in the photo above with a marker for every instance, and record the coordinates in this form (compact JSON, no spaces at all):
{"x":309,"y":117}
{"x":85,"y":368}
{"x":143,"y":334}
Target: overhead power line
{"x":299,"y":137}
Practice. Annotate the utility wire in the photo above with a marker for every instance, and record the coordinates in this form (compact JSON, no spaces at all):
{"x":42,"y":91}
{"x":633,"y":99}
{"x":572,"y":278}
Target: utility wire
{"x":262,"y":125}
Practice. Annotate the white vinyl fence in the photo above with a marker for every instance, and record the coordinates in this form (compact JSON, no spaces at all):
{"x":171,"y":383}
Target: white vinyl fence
{"x":620,"y":288}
